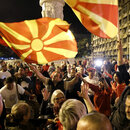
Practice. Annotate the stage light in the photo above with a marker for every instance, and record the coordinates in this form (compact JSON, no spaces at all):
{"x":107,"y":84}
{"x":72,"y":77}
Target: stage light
{"x":98,"y":62}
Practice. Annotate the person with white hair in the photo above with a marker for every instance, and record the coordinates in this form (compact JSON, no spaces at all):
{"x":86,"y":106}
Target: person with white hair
{"x":57,"y":96}
{"x":52,"y":107}
{"x":72,"y":110}
{"x":70,"y":113}
{"x":57,"y":99}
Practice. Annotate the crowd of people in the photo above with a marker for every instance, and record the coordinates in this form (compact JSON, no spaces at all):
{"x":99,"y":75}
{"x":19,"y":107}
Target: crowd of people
{"x":65,"y":97}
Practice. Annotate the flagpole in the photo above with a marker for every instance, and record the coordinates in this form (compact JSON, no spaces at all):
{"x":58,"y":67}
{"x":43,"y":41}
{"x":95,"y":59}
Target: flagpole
{"x":119,"y":48}
{"x":118,"y":25}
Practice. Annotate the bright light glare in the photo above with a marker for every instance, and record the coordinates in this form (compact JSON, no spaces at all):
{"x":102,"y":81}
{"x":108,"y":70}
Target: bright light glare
{"x":98,"y":62}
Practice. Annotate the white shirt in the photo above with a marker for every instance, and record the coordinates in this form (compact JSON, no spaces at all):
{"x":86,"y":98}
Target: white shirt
{"x":5,"y":74}
{"x":94,"y":80}
{"x":24,"y":84}
{"x":10,"y":97}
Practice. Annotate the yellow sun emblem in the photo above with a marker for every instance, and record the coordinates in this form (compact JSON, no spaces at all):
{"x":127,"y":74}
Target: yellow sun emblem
{"x":40,"y":41}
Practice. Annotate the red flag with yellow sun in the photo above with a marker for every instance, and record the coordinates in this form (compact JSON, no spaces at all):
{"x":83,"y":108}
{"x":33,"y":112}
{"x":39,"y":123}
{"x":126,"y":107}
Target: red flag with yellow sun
{"x":2,"y":42}
{"x":40,"y":41}
{"x":100,"y":17}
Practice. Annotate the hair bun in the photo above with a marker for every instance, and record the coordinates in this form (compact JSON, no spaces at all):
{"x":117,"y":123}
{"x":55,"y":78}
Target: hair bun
{"x":10,"y":118}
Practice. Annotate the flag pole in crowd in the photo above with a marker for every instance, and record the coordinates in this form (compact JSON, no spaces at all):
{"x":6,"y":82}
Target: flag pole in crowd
{"x":118,"y":34}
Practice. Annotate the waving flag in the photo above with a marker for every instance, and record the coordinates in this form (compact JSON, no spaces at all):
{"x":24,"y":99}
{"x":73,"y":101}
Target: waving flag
{"x":2,"y":42}
{"x":100,"y":17}
{"x":40,"y":41}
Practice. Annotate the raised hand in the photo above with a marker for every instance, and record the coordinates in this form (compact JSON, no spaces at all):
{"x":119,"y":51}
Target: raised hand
{"x":45,"y":94}
{"x":84,"y":91}
{"x":78,"y":74}
{"x":84,"y":95}
{"x":32,"y":67}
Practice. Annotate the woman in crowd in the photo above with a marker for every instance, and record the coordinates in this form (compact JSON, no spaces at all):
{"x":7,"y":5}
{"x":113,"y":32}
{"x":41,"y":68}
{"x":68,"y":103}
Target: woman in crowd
{"x":101,"y":96}
{"x":72,"y":109}
{"x":118,"y":117}
{"x":19,"y":117}
{"x":57,"y":99}
{"x":118,"y":85}
{"x":121,"y":78}
{"x":70,"y":113}
{"x":51,"y":108}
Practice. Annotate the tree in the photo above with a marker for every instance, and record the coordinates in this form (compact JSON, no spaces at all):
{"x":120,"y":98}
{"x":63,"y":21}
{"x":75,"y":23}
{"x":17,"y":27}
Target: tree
{"x":83,"y":48}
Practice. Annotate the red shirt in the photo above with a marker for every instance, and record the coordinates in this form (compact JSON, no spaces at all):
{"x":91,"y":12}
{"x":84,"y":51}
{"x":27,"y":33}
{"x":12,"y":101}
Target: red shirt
{"x":115,"y":67}
{"x":29,"y":74}
{"x":102,"y":99}
{"x":60,"y":126}
{"x":118,"y":89}
{"x":45,"y":67}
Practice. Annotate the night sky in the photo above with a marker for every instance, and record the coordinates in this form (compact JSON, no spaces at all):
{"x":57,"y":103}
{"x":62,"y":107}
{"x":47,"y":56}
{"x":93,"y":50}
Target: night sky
{"x":19,"y":10}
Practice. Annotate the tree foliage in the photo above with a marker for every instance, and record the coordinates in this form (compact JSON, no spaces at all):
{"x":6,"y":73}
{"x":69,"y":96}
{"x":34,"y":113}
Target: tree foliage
{"x":83,"y":48}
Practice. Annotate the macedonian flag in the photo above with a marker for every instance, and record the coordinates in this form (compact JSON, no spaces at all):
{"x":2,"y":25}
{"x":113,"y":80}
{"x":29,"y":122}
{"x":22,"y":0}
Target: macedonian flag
{"x":2,"y":42}
{"x":40,"y":41}
{"x":100,"y":17}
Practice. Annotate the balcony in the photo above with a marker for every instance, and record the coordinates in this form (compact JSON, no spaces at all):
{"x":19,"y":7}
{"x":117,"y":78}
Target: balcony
{"x":125,"y":14}
{"x":115,"y":47}
{"x":125,"y":46}
{"x":119,"y":8}
{"x":124,"y":25}
{"x":112,"y":53}
{"x":125,"y":35}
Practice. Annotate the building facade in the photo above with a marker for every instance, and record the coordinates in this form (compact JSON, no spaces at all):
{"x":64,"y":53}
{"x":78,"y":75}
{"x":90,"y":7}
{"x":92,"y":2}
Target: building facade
{"x":102,"y":48}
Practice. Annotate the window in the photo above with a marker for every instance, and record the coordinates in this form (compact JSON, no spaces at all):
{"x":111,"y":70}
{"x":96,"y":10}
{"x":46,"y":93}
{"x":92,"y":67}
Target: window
{"x":120,"y":22}
{"x":124,"y":30}
{"x":125,"y":20}
{"x":120,"y":13}
{"x":124,"y":40}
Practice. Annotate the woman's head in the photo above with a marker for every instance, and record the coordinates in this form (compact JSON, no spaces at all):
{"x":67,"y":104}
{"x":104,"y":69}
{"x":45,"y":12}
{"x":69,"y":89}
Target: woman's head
{"x":70,"y":113}
{"x":117,"y":77}
{"x":57,"y":97}
{"x":57,"y":100}
{"x":56,"y":77}
{"x":20,"y":112}
{"x":21,"y":71}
